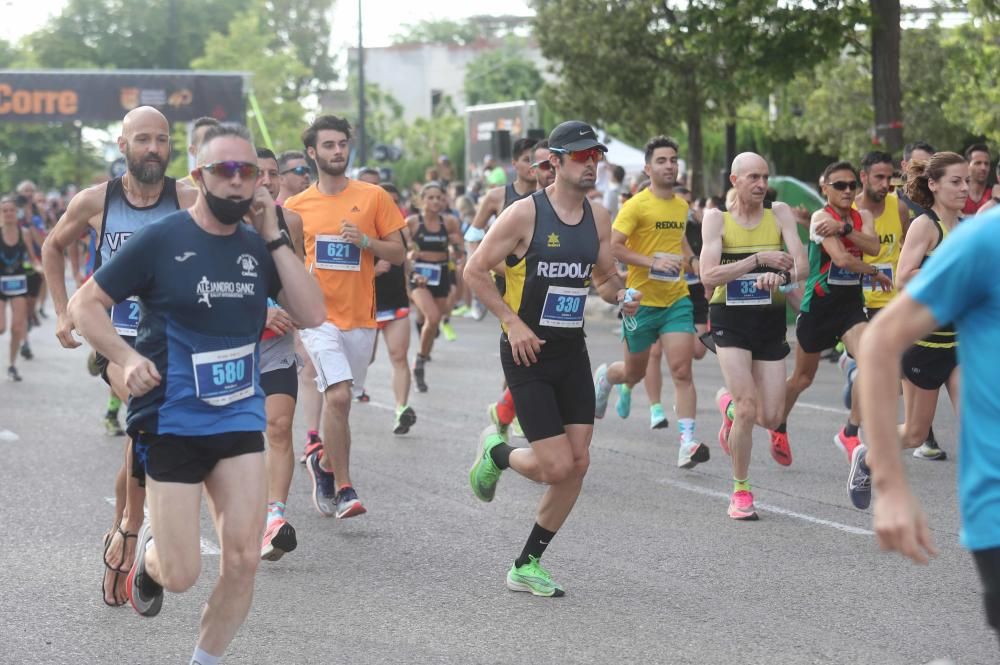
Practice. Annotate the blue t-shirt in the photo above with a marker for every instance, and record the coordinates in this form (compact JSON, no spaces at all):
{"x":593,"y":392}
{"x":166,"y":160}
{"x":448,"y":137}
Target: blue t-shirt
{"x":958,"y":285}
{"x":202,"y":307}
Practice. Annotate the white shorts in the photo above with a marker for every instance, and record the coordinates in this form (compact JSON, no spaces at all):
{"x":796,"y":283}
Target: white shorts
{"x":339,"y":355}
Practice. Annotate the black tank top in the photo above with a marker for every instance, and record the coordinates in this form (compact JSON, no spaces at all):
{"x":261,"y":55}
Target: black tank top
{"x":431,"y":242}
{"x":547,"y":288}
{"x":13,"y":257}
{"x":510,"y":195}
{"x":390,"y":288}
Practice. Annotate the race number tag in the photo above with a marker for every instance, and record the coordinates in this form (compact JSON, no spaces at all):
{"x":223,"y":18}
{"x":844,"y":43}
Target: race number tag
{"x":431,"y":271}
{"x":335,"y":253}
{"x":224,"y":377}
{"x":842,"y":277}
{"x":691,"y":278}
{"x":385,"y":315}
{"x":563,"y":307}
{"x":125,"y":317}
{"x":665,"y":275}
{"x":885,"y":269}
{"x":14,"y":285}
{"x":743,"y":291}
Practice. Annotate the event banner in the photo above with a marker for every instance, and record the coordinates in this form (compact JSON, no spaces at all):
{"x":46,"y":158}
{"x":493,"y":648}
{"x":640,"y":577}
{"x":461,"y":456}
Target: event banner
{"x":107,"y":95}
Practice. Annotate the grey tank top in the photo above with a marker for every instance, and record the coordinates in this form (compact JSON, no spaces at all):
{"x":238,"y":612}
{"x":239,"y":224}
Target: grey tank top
{"x":122,"y":219}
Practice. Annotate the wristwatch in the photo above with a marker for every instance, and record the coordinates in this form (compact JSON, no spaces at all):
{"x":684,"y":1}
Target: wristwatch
{"x":848,"y":228}
{"x":278,"y":242}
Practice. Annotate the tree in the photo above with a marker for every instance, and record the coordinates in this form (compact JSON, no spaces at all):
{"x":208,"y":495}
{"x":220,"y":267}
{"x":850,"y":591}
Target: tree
{"x":975,"y":47}
{"x":469,"y":31}
{"x":303,"y":26}
{"x":886,"y":92}
{"x":501,"y":76}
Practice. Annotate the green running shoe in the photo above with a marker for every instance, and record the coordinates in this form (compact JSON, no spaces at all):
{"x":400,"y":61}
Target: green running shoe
{"x":449,"y":332}
{"x":484,"y":474}
{"x":657,"y":417}
{"x":461,"y":310}
{"x":533,"y":578}
{"x":624,"y":405}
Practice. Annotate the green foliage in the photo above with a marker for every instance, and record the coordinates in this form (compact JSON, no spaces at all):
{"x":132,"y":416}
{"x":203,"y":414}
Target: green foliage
{"x":975,"y":51}
{"x":502,"y":75}
{"x":304,"y":27}
{"x":447,"y":31}
{"x":48,"y":154}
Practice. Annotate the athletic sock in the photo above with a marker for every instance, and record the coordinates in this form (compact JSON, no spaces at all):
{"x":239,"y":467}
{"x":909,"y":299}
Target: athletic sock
{"x":741,"y":485}
{"x":202,"y":658}
{"x":312,"y":434}
{"x":686,"y":428}
{"x":731,"y":410}
{"x":537,"y":542}
{"x":851,"y":429}
{"x":930,"y":436}
{"x":275,"y":510}
{"x":500,"y":455}
{"x":505,"y":408}
{"x":113,"y":405}
{"x":782,"y":428}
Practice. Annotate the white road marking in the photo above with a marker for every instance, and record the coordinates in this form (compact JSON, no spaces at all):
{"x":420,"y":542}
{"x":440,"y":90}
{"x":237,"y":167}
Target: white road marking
{"x":820,"y":407}
{"x":207,"y":546}
{"x":420,"y":416}
{"x":7,"y":435}
{"x":769,"y":508}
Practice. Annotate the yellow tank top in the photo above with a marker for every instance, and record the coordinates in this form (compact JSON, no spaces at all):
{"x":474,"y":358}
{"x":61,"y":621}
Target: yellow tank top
{"x":739,"y":242}
{"x":890,"y":236}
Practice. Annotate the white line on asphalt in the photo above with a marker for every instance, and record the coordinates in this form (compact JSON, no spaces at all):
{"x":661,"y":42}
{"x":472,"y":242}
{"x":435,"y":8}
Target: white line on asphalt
{"x":769,"y":508}
{"x":207,"y":546}
{"x":820,"y":407}
{"x":420,"y":416}
{"x":7,"y":435}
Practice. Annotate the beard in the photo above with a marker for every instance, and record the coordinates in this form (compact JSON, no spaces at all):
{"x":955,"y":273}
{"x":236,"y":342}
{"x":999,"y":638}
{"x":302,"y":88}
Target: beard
{"x":331,"y":168}
{"x":149,"y":170}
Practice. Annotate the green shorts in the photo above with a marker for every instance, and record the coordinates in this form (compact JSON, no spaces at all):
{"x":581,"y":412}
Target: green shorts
{"x":651,"y":322}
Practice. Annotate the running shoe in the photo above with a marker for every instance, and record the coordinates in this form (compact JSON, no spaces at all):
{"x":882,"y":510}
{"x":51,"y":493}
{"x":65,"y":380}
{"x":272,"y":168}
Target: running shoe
{"x":484,"y":474}
{"x":531,"y":577}
{"x":112,"y":427}
{"x":930,"y":451}
{"x":92,"y":367}
{"x":624,"y":405}
{"x":723,"y":400}
{"x":324,"y":487}
{"x":657,"y":418}
{"x":602,"y":389}
{"x":314,"y":444}
{"x":478,"y":312}
{"x":781,"y":451}
{"x":692,"y":454}
{"x":364,"y":398}
{"x":26,"y":351}
{"x":851,"y":369}
{"x":741,"y":506}
{"x":143,"y":592}
{"x":449,"y":332}
{"x":461,"y":310}
{"x":859,"y":481}
{"x":418,"y":374}
{"x":405,"y":419}
{"x":846,"y":443}
{"x":279,"y":540}
{"x":12,"y":374}
{"x":348,"y":503}
{"x":495,"y":419}
{"x":515,"y":428}
{"x":41,"y":313}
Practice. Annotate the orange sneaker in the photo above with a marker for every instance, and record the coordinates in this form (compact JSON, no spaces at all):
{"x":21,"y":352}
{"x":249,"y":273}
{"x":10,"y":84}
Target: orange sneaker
{"x":780,"y":450}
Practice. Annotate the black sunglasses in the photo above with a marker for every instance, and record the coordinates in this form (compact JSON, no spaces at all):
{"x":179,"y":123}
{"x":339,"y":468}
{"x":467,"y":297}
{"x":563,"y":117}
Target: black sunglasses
{"x":843,"y":185}
{"x":297,"y":170}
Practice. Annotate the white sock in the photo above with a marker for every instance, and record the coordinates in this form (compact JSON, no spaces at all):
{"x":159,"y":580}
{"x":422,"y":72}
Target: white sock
{"x":202,"y":658}
{"x":686,"y":428}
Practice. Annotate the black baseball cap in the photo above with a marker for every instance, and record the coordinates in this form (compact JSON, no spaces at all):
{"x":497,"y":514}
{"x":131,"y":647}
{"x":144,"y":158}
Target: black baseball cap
{"x":574,"y":135}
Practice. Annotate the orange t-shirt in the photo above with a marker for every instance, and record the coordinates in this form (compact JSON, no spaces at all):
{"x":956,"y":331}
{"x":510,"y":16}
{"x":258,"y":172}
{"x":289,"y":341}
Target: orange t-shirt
{"x":345,"y":272}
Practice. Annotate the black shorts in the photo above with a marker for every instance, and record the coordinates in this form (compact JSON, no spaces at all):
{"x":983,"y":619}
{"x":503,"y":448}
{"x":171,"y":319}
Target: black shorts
{"x":759,"y":331}
{"x":34,"y":284}
{"x":824,"y":325}
{"x":284,"y":381}
{"x":169,"y":458}
{"x":442,"y":288}
{"x":872,"y":312}
{"x":697,"y":294}
{"x":929,"y":368}
{"x":556,"y":391}
{"x":102,"y":363}
{"x":988,"y":564}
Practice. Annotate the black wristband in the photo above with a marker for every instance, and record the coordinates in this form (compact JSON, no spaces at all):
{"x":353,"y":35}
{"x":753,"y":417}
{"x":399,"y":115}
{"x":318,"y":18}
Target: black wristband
{"x":848,"y":227}
{"x":278,"y":242}
{"x":788,"y":277}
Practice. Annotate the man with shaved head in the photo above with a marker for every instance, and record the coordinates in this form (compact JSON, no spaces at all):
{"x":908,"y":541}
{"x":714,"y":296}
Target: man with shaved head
{"x":742,"y":259}
{"x":115,"y":210}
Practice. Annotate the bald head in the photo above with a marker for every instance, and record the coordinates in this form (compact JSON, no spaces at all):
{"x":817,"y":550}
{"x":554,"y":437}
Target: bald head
{"x":144,"y":119}
{"x":747,"y":162}
{"x":145,"y":142}
{"x":749,"y":178}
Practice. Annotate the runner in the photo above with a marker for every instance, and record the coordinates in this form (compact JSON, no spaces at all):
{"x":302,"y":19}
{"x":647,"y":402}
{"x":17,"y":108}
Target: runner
{"x":33,"y":230}
{"x":279,"y":380}
{"x":995,"y":194}
{"x":432,"y":232}
{"x":950,"y":287}
{"x":918,"y":151}
{"x":833,"y":306}
{"x":542,"y":347}
{"x":198,"y":129}
{"x":978,"y":157}
{"x":294,"y":174}
{"x":16,"y":256}
{"x":347,"y":226}
{"x":648,"y":237}
{"x":197,"y":408}
{"x":115,"y":210}
{"x":497,"y":199}
{"x":743,"y":262}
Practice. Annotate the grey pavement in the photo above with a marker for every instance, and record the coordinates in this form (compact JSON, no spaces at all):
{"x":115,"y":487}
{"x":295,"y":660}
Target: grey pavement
{"x":655,"y":571}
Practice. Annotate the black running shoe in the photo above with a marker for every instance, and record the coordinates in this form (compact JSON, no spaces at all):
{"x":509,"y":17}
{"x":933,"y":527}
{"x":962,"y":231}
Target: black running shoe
{"x":405,"y":419}
{"x":26,"y":351}
{"x":12,"y":374}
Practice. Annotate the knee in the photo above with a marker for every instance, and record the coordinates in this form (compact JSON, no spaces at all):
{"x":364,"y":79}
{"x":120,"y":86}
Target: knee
{"x":239,"y":562}
{"x":580,"y":465}
{"x":179,"y":576}
{"x":800,"y":381}
{"x":559,"y":470}
{"x":746,"y":409}
{"x":338,"y":397}
{"x":681,"y":372}
{"x":634,"y":375}
{"x":397,"y":355}
{"x":279,"y":429}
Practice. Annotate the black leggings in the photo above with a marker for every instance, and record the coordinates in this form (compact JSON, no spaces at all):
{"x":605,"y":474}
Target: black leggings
{"x":988,"y":563}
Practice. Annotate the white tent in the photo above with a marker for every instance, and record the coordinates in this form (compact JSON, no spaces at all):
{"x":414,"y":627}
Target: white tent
{"x":628,"y":157}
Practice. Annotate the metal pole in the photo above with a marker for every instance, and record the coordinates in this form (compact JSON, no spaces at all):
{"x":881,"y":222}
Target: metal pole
{"x":362,"y":143}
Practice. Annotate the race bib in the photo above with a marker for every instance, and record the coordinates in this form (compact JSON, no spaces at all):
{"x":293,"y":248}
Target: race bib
{"x":665,"y":275}
{"x":563,"y":307}
{"x":885,"y":269}
{"x":842,"y":277}
{"x":334,"y":253}
{"x":743,"y":291}
{"x":432,"y":271}
{"x":224,"y":377}
{"x":125,"y":317}
{"x":14,"y":285}
{"x":691,"y":279}
{"x":385,"y":315}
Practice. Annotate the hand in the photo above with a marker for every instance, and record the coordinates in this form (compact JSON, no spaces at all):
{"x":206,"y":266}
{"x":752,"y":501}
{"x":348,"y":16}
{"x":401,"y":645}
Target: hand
{"x":278,"y":321}
{"x":828,"y":228}
{"x":667,"y":263}
{"x":773,"y":259}
{"x":64,"y":331}
{"x":140,"y":375}
{"x":382,"y":267}
{"x":419,"y":279}
{"x":901,"y":526}
{"x":352,"y":234}
{"x":631,"y":307}
{"x":524,"y":344}
{"x":263,"y":215}
{"x":769,"y":281}
{"x":882,"y":280}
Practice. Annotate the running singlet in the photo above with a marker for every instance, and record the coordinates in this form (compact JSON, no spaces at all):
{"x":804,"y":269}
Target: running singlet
{"x":653,"y":227}
{"x":547,"y":287}
{"x":889,"y":230}
{"x":944,"y":337}
{"x":741,"y":294}
{"x":13,"y":267}
{"x":120,"y":220}
{"x":510,"y":196}
{"x":828,"y":282}
{"x":201,"y":319}
{"x":972,"y":207}
{"x":346,"y":273}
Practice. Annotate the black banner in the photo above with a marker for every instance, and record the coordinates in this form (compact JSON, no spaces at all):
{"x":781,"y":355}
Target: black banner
{"x":105,"y":96}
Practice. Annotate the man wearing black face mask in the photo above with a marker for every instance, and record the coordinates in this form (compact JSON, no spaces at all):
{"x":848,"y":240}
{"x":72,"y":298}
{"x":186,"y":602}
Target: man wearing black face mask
{"x":197,"y":407}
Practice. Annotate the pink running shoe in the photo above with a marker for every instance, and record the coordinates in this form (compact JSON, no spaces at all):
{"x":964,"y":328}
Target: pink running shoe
{"x":723,"y":399}
{"x":741,"y":506}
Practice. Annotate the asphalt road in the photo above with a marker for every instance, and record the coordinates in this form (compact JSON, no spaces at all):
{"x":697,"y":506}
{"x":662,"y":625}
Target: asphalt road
{"x":655,"y":571}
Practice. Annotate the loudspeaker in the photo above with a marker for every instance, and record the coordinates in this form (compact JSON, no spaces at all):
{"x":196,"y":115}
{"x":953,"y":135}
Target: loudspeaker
{"x":501,"y":148}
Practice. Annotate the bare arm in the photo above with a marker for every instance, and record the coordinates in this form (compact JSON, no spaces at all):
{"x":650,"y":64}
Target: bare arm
{"x":294,"y":223}
{"x":919,"y":241}
{"x":713,"y":272}
{"x":489,"y":207}
{"x":788,"y":224}
{"x":606,"y":280}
